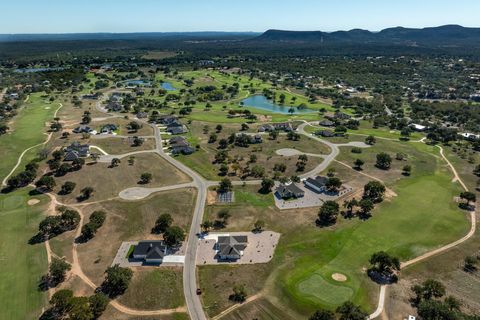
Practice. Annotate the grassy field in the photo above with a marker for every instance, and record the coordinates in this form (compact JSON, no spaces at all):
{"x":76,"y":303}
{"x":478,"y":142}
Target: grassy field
{"x":422,"y":216}
{"x":112,"y":313}
{"x":155,"y":288}
{"x":22,"y":264}
{"x":108,"y":182}
{"x":121,"y":145}
{"x":202,"y":160}
{"x":26,"y":130}
{"x":131,"y":220}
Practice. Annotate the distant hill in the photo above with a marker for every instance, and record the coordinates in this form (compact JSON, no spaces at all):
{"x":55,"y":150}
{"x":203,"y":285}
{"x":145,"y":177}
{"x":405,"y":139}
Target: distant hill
{"x":128,"y":36}
{"x":449,"y":35}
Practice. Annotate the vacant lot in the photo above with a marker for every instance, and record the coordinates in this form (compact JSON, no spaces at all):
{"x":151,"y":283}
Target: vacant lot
{"x":155,"y":288}
{"x":119,"y":145}
{"x":202,"y":161}
{"x":132,"y":220}
{"x":108,"y":182}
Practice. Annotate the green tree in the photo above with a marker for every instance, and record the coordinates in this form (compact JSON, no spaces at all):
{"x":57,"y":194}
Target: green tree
{"x":468,"y":197}
{"x":258,"y":225}
{"x":370,"y":140}
{"x":322,"y":315}
{"x":349,"y":311}
{"x":225,"y":185}
{"x":47,"y":182}
{"x":358,"y":164}
{"x":384,"y":161}
{"x":57,"y":270}
{"x":67,"y":187}
{"x":98,"y":303}
{"x":384,"y":265}
{"x":366,"y":205}
{"x":333,"y":184}
{"x":86,"y":193}
{"x":115,"y":162}
{"x":173,"y":236}
{"x":267,"y":185}
{"x":239,"y":293}
{"x":328,"y":213}
{"x":407,"y":170}
{"x":146,"y":177}
{"x":116,"y":280}
{"x":163,"y":222}
{"x":374,"y":191}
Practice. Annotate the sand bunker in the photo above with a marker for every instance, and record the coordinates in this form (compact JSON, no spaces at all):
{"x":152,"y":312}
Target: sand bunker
{"x":32,"y":202}
{"x":339,"y":277}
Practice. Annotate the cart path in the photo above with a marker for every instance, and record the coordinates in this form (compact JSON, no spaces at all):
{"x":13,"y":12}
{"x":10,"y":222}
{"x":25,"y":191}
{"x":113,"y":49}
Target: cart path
{"x":471,"y":232}
{"x":19,"y":161}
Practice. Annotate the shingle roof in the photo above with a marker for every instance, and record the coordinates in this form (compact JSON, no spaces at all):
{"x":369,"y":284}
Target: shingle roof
{"x":231,"y":245}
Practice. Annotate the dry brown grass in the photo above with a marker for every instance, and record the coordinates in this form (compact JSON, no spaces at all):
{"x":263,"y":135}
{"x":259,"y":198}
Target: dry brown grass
{"x":131,"y":220}
{"x":108,"y":182}
{"x":117,"y":145}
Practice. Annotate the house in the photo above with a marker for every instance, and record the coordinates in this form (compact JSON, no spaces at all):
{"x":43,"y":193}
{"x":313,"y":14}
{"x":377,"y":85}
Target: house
{"x":114,"y":106}
{"x":83,"y":129}
{"x":289,"y":191}
{"x":231,"y":247}
{"x":318,"y":183}
{"x":266,"y":128}
{"x":167,"y":120}
{"x":418,"y":127}
{"x":283,"y":126}
{"x":182,"y":149}
{"x":150,"y":251}
{"x":325,"y":133}
{"x":179,"y":145}
{"x":470,"y":136}
{"x":142,"y":114}
{"x":257,"y":139}
{"x":326,"y":123}
{"x":341,"y":116}
{"x":177,"y":128}
{"x":76,"y":150}
{"x":108,"y":128}
{"x":91,"y":96}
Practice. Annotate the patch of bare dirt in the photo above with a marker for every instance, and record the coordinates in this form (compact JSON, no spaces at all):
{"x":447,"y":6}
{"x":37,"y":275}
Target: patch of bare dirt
{"x":33,"y":202}
{"x":339,"y":277}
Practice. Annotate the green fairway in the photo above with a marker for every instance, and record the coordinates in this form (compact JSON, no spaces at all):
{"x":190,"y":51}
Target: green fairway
{"x":22,"y":264}
{"x":27,"y":130}
{"x":422,"y":217}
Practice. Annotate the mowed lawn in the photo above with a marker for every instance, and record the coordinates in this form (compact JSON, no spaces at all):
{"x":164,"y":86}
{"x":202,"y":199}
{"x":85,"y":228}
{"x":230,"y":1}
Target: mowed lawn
{"x":27,"y":130}
{"x":422,"y":216}
{"x":21,"y":264}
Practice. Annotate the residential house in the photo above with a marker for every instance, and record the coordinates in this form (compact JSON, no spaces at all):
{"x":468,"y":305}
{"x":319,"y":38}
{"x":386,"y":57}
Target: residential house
{"x":418,"y":127}
{"x":114,"y":106}
{"x":318,"y":183}
{"x":179,"y":145}
{"x":83,"y":129}
{"x":341,"y":116}
{"x":326,"y":123}
{"x":231,"y":247}
{"x":167,"y":120}
{"x":289,"y":191}
{"x":177,"y":128}
{"x":266,"y":128}
{"x":91,"y":96}
{"x":150,"y":251}
{"x":108,"y":128}
{"x":283,"y":126}
{"x":76,"y":150}
{"x":142,"y":115}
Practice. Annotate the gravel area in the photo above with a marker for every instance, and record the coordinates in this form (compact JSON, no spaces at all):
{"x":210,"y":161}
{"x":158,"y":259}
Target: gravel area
{"x":260,"y":249}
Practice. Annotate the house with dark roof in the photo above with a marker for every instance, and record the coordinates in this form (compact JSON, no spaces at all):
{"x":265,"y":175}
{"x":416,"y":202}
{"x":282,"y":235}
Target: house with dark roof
{"x":231,"y":247}
{"x":76,"y":150}
{"x":283,"y":126}
{"x":341,"y":116}
{"x":167,"y":120}
{"x":114,"y":106}
{"x":150,"y":251}
{"x":142,"y":115}
{"x":108,"y":128}
{"x":265,"y":128}
{"x":94,"y":96}
{"x":289,"y":191}
{"x":326,"y":123}
{"x":176,"y":128}
{"x":179,"y":145}
{"x":83,"y":129}
{"x":318,"y":183}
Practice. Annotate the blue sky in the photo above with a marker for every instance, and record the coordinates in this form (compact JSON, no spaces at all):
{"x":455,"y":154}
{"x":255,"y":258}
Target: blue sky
{"x":67,"y":16}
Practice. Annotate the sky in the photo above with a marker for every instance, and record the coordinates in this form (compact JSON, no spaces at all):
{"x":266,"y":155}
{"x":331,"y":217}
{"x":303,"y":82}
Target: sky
{"x":73,"y":16}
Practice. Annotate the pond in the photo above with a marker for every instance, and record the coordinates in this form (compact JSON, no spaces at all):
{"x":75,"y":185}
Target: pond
{"x":261,"y":102}
{"x":168,"y":86}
